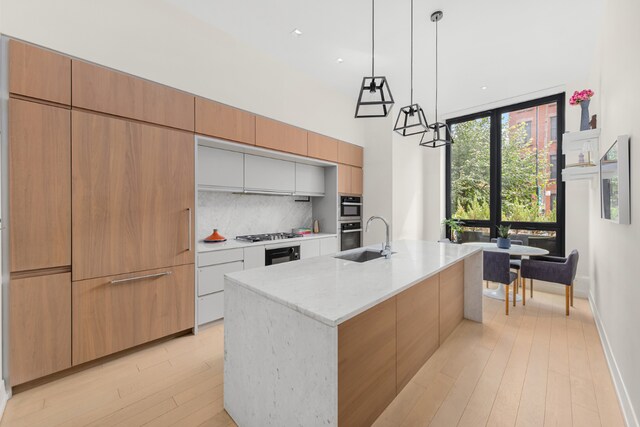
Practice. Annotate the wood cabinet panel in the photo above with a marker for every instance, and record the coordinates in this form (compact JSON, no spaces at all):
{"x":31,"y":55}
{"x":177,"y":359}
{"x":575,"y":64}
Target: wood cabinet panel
{"x":110,"y":317}
{"x":222,"y":121}
{"x":40,"y":185}
{"x":100,"y":89}
{"x":350,"y":154}
{"x":367,"y":365}
{"x":356,"y":180}
{"x":344,"y":179}
{"x":418,"y":324}
{"x":322,"y":147}
{"x":451,"y":299}
{"x":39,"y":73}
{"x":40,"y":326}
{"x":280,"y":136}
{"x":133,"y":196}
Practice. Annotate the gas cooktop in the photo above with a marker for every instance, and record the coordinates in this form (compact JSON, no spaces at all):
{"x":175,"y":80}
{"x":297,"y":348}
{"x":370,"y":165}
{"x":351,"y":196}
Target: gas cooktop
{"x":268,"y":236}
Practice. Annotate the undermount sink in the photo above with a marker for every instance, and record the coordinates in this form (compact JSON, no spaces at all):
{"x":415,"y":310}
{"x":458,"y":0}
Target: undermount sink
{"x":361,"y":256}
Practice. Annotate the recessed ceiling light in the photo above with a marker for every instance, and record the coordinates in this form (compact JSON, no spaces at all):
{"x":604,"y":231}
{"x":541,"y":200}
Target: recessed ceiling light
{"x":339,"y":60}
{"x":296,"y":32}
{"x":483,"y":88}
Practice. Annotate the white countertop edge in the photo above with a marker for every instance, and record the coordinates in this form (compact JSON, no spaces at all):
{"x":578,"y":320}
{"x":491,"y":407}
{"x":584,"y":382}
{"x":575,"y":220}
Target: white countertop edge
{"x":342,"y":319}
{"x":236,"y":244}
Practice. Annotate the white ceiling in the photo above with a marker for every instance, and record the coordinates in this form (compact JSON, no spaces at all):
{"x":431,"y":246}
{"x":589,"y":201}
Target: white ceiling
{"x":513,"y":47}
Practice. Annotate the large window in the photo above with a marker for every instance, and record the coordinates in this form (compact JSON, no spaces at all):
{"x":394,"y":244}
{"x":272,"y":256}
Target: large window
{"x":503,"y":169}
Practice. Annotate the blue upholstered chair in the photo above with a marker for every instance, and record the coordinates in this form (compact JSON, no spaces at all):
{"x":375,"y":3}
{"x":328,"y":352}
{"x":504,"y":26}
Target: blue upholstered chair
{"x":552,"y":269}
{"x":496,"y":269}
{"x":514,"y":259}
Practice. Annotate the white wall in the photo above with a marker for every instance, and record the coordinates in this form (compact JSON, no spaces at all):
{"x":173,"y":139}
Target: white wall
{"x":615,"y":290}
{"x":408,"y":187}
{"x":157,"y":41}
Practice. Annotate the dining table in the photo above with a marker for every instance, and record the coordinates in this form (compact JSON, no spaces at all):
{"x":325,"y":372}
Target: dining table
{"x":520,"y":250}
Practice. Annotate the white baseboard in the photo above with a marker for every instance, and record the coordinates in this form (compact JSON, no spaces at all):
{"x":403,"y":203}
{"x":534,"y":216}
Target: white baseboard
{"x":628,"y":410}
{"x":4,"y":397}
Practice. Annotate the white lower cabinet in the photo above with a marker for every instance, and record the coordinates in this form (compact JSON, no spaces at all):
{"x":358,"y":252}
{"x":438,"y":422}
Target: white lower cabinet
{"x":328,"y":246}
{"x":253,"y":257}
{"x":211,"y":278}
{"x":210,"y":307}
{"x":310,"y":248}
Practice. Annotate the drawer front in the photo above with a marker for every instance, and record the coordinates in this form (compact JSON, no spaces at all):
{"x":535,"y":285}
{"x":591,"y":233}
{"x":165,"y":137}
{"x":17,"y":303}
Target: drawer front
{"x":309,"y":248}
{"x":328,"y":246}
{"x":210,"y":308}
{"x":220,"y":257}
{"x":114,"y":313}
{"x":211,"y":279}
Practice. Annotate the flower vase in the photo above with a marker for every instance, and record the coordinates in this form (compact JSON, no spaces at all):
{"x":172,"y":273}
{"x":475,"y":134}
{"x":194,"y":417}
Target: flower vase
{"x":584,"y":118}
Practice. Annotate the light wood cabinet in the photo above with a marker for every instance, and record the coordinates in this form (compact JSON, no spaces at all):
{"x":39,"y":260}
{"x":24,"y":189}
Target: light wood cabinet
{"x":133,"y":196}
{"x":280,"y":136}
{"x":344,"y":179}
{"x":222,"y":121}
{"x":367,"y":365}
{"x":40,"y":185}
{"x":356,"y":180}
{"x":111,"y":315}
{"x":40,"y":326}
{"x":322,"y":147}
{"x":39,"y":73}
{"x":418,"y":324}
{"x":350,"y":154}
{"x":100,"y":89}
{"x":451,"y":299}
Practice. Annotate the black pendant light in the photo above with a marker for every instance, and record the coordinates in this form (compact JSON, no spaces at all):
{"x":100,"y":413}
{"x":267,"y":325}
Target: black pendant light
{"x":441,"y":132}
{"x":411,"y":119}
{"x":375,"y":99}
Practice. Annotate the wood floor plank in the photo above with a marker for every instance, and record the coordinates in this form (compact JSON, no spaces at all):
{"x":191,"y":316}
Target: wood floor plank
{"x":429,"y":402}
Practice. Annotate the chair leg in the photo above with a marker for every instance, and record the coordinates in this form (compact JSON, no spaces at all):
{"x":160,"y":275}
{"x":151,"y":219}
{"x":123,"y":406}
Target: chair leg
{"x":515,"y":291}
{"x":566,"y":299}
{"x":506,"y":299}
{"x":531,"y":287}
{"x":486,"y":283}
{"x":571,"y":294}
{"x":524,"y":291}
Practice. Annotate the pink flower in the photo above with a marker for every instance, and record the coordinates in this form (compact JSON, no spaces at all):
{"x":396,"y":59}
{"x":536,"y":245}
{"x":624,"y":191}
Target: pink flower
{"x":579,"y":96}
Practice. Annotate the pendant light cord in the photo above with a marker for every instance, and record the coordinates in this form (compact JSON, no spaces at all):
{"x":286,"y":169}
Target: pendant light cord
{"x":411,"y":52}
{"x":436,"y":71}
{"x":373,"y":38}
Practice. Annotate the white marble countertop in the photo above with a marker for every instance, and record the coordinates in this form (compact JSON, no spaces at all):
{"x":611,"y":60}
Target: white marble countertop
{"x":233,"y":243}
{"x":513,"y":250}
{"x":332,"y":290}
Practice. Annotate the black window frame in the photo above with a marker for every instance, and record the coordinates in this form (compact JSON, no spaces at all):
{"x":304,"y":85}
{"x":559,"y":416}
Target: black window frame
{"x":495,"y":183}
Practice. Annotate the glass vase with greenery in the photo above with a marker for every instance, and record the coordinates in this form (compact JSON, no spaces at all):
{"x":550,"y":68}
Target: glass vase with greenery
{"x":456,"y":226}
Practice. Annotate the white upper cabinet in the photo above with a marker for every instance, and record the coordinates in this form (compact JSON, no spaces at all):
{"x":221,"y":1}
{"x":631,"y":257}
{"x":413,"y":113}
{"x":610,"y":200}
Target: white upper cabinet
{"x":220,"y":170}
{"x":269,"y":175}
{"x":309,"y":180}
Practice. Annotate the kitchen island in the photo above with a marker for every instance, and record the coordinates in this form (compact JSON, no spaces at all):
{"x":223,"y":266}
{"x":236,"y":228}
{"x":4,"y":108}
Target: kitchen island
{"x":327,"y":341}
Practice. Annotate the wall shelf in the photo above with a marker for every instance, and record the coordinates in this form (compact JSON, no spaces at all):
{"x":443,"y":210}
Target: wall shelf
{"x":575,"y":144}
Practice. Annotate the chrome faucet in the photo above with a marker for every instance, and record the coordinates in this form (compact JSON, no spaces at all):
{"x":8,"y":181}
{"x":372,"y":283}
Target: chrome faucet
{"x":386,"y":247}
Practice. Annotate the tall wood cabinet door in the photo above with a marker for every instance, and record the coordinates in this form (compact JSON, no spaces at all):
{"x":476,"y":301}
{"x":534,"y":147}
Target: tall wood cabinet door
{"x":322,"y":147}
{"x":350,"y":154}
{"x":356,"y":180}
{"x":418,"y":324}
{"x":225,"y":122}
{"x":39,"y":186}
{"x":451,"y":299}
{"x":101,"y":89}
{"x":367,"y":364}
{"x":280,"y":136}
{"x":114,"y":313}
{"x":39,"y":73}
{"x":133,"y":196}
{"x":40,"y":326}
{"x":344,"y":179}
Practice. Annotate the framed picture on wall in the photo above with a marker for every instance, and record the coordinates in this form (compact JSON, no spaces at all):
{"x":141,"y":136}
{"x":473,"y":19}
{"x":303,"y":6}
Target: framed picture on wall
{"x":614,"y":182}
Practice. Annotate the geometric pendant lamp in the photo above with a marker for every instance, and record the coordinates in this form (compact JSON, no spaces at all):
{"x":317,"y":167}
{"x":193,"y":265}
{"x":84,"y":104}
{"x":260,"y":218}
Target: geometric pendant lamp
{"x":374,"y":99}
{"x":411,"y":119}
{"x":441,"y":135}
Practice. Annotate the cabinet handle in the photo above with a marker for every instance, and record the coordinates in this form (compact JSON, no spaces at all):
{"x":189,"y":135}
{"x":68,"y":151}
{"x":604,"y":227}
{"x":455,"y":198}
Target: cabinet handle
{"x":189,"y":211}
{"x":147,"y":276}
{"x":352,"y":231}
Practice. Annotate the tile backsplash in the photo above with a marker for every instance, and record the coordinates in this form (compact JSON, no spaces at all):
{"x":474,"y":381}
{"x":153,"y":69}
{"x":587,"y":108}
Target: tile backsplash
{"x":237,"y":214}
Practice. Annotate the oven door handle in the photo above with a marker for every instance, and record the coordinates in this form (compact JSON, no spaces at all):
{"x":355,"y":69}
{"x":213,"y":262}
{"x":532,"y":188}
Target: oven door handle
{"x":351,"y":204}
{"x":352,"y":231}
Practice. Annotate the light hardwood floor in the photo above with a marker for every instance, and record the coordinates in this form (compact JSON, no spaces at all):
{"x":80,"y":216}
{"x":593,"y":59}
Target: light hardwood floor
{"x":533,"y":368}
